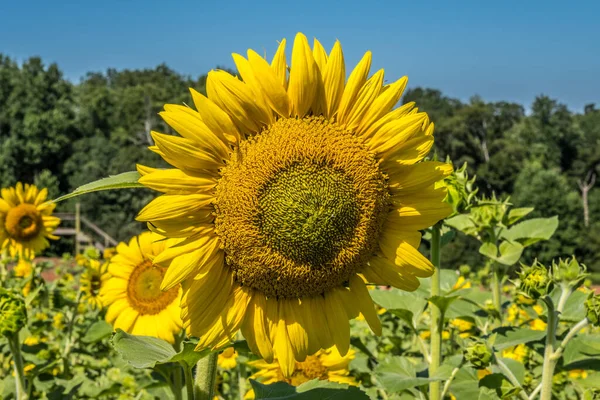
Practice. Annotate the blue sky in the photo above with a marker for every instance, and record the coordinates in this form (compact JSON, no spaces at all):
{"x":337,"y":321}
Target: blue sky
{"x":501,"y":50}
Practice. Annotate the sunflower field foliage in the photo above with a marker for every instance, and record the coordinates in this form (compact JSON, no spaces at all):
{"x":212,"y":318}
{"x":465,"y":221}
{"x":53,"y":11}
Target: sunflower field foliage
{"x":301,"y":239}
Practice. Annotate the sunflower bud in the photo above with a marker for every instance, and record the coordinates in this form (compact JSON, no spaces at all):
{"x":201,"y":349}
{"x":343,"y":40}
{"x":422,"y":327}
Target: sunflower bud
{"x":568,"y":271}
{"x":13,"y":313}
{"x":464,"y":270}
{"x":460,"y":189}
{"x":535,"y":281}
{"x":479,"y":355}
{"x":592,"y":307}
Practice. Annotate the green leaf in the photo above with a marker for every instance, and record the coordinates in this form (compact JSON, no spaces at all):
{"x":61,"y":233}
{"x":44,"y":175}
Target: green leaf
{"x":460,"y":222}
{"x":514,"y":366}
{"x":448,"y":365}
{"x":442,"y":302}
{"x":489,"y":250}
{"x":517,"y":213}
{"x":97,"y":331}
{"x":510,"y":336}
{"x":397,"y":374}
{"x":448,"y":278}
{"x":187,"y":356}
{"x":532,"y":231}
{"x":122,"y":181}
{"x":465,"y":384}
{"x":583,"y":352}
{"x":357,"y":342}
{"x":311,"y":390}
{"x":510,"y":252}
{"x":395,"y":299}
{"x":574,"y":310}
{"x":142,"y":351}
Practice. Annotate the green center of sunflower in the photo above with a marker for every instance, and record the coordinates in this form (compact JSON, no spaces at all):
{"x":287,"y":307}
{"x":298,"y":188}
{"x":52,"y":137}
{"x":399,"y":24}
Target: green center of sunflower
{"x":143,"y":289}
{"x":308,"y":212}
{"x":299,"y":208}
{"x":23,"y":222}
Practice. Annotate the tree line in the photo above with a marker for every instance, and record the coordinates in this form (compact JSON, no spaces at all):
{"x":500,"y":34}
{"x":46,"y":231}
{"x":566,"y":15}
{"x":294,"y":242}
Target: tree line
{"x":61,"y":135}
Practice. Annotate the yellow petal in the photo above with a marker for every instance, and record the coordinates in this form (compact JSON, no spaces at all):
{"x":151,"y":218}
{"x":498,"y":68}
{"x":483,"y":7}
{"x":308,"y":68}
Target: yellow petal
{"x":295,"y":326}
{"x":274,"y":91}
{"x":205,"y":299}
{"x":194,"y":262}
{"x":228,"y":324}
{"x":217,"y":120}
{"x":337,"y":320}
{"x":382,"y":271}
{"x":418,"y":176}
{"x":394,"y":115}
{"x":396,"y":133}
{"x":236,"y":98}
{"x":171,"y":206}
{"x":245,"y":70}
{"x":334,"y":77}
{"x":175,"y":181}
{"x":255,"y":330}
{"x":408,"y":153}
{"x":419,"y":216}
{"x":383,"y":104}
{"x":184,"y":154}
{"x":316,"y":311}
{"x":365,"y":98}
{"x":303,"y":77}
{"x":283,"y":350}
{"x":365,"y":304}
{"x":356,"y":81}
{"x":189,"y":124}
{"x":279,"y":64}
{"x":319,"y":55}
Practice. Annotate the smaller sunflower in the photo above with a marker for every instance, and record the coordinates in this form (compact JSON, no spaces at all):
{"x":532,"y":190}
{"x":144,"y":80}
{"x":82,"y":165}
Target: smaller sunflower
{"x":132,"y":292}
{"x":23,"y":269}
{"x":228,"y":359}
{"x":326,"y":365}
{"x":26,"y":220}
{"x":91,"y":281}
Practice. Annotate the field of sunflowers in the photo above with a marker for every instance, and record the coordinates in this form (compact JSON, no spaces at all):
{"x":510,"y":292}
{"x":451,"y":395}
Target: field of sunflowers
{"x":293,"y":252}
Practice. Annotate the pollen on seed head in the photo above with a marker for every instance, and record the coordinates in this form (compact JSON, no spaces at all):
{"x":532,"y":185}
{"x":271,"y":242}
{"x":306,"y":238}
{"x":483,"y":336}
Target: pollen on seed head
{"x":299,"y":208}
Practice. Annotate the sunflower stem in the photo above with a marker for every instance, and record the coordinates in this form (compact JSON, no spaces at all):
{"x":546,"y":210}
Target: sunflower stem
{"x":206,"y":375}
{"x":549,"y":361}
{"x":242,"y":380}
{"x":15,"y":349}
{"x":496,"y":296}
{"x":436,"y":315}
{"x":189,"y":382}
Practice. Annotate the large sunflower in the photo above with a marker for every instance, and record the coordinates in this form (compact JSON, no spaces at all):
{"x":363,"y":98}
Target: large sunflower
{"x":26,"y":221}
{"x":132,"y":293}
{"x":289,"y":192}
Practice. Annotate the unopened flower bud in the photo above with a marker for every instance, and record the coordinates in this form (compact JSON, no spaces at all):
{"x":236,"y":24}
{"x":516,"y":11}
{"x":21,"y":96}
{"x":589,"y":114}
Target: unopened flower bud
{"x":479,"y":355}
{"x":568,"y":271}
{"x":592,"y":307}
{"x":535,"y":281}
{"x":464,"y":270}
{"x":13,"y":313}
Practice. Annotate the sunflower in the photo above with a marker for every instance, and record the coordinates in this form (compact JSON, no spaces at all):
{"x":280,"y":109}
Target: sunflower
{"x":324,"y":365}
{"x":26,"y":221}
{"x":228,"y":358}
{"x":132,"y":292}
{"x":289,"y":193}
{"x":24,"y":268}
{"x":91,"y":282}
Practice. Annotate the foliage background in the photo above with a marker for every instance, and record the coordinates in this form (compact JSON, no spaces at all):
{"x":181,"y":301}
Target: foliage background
{"x":61,"y":135}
